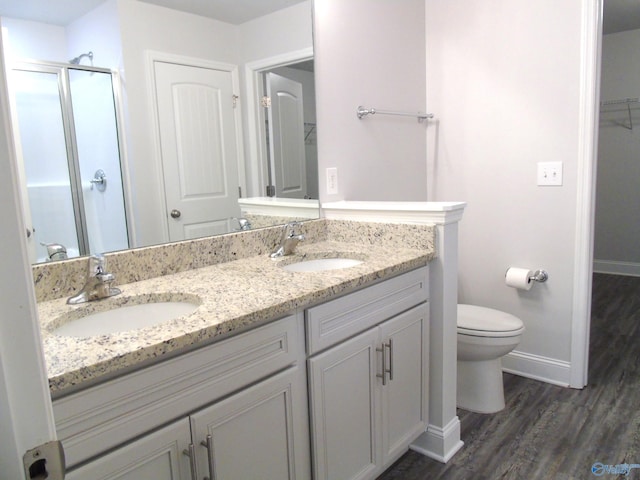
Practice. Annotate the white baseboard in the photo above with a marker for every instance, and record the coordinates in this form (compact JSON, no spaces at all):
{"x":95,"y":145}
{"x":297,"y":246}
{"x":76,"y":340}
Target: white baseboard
{"x":439,"y":443}
{"x":545,"y":369}
{"x":617,"y":268}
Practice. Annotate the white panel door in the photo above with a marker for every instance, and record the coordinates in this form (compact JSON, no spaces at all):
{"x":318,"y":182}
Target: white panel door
{"x":286,"y":135}
{"x":158,"y":456}
{"x":342,"y":385}
{"x":198,"y":142}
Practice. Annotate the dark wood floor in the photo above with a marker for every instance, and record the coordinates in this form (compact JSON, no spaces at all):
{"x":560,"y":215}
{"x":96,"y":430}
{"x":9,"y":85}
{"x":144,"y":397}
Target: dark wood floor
{"x":549,"y":432}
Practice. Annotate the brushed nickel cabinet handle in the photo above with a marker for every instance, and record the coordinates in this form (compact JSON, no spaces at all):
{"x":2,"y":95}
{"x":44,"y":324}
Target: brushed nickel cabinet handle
{"x":175,"y":213}
{"x":191,"y":453}
{"x":384,"y":365}
{"x":390,"y":346}
{"x":208,"y":444}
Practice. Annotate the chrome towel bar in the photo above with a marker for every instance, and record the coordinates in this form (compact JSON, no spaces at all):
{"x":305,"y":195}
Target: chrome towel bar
{"x":363,"y":111}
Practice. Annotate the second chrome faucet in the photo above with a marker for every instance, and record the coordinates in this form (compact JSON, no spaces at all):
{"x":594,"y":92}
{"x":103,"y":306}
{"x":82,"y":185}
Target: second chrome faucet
{"x":289,"y":240}
{"x":97,"y":284}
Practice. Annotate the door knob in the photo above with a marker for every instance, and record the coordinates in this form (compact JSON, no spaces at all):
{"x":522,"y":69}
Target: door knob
{"x":175,"y":213}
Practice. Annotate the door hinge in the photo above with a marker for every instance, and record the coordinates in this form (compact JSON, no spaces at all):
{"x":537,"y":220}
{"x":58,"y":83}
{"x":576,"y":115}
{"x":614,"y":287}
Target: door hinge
{"x":265,"y":102}
{"x":45,"y":461}
{"x":234,"y":99}
{"x":239,"y":192}
{"x":271,"y":191}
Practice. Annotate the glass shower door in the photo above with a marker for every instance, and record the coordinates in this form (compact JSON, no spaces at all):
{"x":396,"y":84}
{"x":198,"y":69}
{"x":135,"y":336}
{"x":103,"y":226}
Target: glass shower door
{"x":70,"y":151}
{"x":43,"y":149}
{"x":97,"y":145}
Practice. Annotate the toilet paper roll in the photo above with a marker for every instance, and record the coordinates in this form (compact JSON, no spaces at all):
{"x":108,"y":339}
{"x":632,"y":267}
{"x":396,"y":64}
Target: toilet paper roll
{"x":519,"y":278}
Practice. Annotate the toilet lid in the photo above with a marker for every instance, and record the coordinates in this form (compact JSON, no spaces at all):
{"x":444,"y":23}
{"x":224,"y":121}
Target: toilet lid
{"x":475,"y":320}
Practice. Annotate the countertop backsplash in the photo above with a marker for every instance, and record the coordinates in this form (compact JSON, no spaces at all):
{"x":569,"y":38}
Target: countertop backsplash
{"x":64,"y":278}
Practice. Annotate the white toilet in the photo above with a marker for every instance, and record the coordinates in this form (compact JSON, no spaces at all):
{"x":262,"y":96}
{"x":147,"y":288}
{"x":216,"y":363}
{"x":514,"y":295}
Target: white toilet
{"x":485,"y":335}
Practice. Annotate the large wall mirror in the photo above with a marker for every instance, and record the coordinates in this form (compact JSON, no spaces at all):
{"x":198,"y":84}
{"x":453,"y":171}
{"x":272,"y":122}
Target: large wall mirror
{"x":139,"y":122}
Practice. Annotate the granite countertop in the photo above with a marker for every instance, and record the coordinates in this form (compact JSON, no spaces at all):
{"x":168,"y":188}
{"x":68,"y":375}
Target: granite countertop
{"x":233,"y":297}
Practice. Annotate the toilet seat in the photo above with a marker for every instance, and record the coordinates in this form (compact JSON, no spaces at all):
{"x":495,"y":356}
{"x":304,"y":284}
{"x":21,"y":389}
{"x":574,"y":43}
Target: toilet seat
{"x":486,"y":322}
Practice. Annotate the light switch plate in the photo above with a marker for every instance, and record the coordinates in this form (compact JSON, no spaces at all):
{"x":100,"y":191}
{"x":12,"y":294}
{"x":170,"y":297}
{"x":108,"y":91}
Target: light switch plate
{"x":550,"y":174}
{"x":332,"y":181}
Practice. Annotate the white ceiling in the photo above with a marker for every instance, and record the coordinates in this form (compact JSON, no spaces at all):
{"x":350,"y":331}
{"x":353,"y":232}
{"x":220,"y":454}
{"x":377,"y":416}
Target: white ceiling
{"x":63,"y":12}
{"x":619,"y":15}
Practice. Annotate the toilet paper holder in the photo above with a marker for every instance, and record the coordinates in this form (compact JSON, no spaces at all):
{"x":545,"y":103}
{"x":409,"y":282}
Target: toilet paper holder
{"x":539,"y":276}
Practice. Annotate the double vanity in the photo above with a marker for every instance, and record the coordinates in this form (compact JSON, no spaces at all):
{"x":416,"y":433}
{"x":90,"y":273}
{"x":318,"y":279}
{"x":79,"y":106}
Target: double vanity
{"x":312,"y":365}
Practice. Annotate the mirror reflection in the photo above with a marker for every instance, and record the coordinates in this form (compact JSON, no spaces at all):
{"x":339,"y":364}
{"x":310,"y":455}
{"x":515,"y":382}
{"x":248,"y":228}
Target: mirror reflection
{"x":138,"y":124}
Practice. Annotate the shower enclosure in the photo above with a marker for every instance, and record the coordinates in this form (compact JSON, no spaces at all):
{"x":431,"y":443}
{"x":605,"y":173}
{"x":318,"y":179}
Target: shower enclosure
{"x":68,"y":145}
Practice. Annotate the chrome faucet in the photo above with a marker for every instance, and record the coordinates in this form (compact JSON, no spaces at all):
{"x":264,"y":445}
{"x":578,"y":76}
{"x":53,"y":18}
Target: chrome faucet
{"x":98,"y":283}
{"x":289,"y":240}
{"x":55,"y":251}
{"x":244,"y":223}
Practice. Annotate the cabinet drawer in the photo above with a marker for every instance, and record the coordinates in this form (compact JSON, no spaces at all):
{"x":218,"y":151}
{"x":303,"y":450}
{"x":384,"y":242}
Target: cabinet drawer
{"x":99,"y":418}
{"x":334,"y":321}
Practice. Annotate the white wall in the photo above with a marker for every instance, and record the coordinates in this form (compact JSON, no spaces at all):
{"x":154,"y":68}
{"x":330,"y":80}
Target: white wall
{"x":372,"y":54}
{"x":284,"y":31}
{"x":617,"y":227}
{"x":34,"y":41}
{"x":99,"y":32}
{"x":503,"y":80}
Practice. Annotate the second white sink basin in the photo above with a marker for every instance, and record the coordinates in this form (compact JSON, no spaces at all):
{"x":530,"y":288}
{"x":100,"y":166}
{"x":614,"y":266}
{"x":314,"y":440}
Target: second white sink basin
{"x":124,"y":318}
{"x":322,"y":264}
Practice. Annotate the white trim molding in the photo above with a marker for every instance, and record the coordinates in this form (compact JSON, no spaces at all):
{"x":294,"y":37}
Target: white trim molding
{"x":427,"y":213}
{"x":435,"y":437}
{"x":279,"y":207}
{"x":615,"y":267}
{"x":545,"y":369}
{"x":591,"y":39}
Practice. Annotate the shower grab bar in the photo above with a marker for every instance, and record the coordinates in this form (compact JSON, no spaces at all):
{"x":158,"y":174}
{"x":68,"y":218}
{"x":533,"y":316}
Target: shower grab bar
{"x":363,"y":111}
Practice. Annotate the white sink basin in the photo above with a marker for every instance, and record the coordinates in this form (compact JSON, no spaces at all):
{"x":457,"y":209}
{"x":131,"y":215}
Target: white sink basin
{"x":321,"y":264}
{"x":125,"y":318}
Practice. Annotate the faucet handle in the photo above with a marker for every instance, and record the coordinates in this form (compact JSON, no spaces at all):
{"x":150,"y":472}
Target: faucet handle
{"x":291,"y":228}
{"x":97,"y":264}
{"x":243,"y":223}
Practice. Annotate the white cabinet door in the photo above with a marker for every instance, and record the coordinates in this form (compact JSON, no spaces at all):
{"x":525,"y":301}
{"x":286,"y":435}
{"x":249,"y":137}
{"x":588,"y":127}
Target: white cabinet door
{"x":158,"y":456}
{"x":255,"y":434}
{"x":342,"y":384}
{"x":404,"y":405}
{"x":361,"y":422}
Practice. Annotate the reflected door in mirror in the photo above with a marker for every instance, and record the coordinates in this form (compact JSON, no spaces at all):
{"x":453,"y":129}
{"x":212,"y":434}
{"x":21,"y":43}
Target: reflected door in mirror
{"x":286,"y":132}
{"x":198,"y":141}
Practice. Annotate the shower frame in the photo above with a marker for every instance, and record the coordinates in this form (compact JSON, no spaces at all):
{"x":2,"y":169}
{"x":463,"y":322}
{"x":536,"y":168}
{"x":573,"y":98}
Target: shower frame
{"x":61,"y":70}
